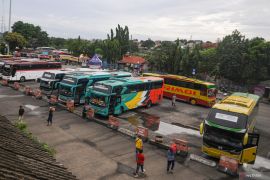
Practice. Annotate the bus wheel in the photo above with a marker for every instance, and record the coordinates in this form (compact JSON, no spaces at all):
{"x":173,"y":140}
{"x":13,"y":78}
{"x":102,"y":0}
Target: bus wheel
{"x":193,"y":102}
{"x":22,"y":79}
{"x":149,"y":104}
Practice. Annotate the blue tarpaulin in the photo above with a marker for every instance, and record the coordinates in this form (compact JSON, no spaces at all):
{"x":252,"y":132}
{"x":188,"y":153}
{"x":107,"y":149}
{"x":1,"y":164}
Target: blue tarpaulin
{"x":95,"y":62}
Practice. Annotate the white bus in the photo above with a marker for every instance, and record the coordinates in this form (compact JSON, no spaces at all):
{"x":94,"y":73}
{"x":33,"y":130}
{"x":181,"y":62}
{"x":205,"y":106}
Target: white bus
{"x":22,"y":71}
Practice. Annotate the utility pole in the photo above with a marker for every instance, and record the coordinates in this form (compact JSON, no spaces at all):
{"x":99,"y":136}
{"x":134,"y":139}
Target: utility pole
{"x":9,"y":23}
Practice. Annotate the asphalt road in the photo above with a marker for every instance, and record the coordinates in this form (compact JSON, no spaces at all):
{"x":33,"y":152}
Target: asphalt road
{"x":92,"y":151}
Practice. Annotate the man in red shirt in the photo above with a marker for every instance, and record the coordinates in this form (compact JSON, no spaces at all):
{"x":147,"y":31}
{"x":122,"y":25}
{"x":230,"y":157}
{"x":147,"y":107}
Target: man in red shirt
{"x":140,"y":163}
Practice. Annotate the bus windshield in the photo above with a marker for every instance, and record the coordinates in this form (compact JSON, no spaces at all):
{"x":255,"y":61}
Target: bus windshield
{"x":7,"y":70}
{"x":228,"y":119}
{"x":211,"y":92}
{"x":69,"y":80}
{"x":219,"y":138}
{"x":102,"y":88}
{"x":48,"y":75}
{"x":98,"y":100}
{"x":65,"y":90}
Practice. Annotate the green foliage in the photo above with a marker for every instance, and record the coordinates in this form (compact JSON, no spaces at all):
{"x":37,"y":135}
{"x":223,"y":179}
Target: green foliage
{"x":48,"y":149}
{"x":148,"y":43}
{"x":33,"y":34}
{"x":21,"y":125}
{"x":14,"y":40}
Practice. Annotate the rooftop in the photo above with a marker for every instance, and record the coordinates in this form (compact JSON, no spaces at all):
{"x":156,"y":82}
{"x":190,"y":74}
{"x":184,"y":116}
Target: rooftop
{"x":132,"y":60}
{"x":22,"y":158}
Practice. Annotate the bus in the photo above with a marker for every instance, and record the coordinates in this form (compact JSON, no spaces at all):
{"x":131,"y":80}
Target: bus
{"x":187,"y":89}
{"x":229,"y":129}
{"x":114,"y":96}
{"x":50,"y":80}
{"x":74,"y":86}
{"x":22,"y":71}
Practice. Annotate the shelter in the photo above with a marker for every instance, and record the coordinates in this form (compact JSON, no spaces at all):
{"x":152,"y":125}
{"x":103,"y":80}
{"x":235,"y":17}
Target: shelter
{"x":95,"y":62}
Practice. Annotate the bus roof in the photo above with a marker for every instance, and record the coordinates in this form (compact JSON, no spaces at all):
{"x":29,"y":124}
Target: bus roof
{"x":129,"y":80}
{"x":32,"y":62}
{"x":87,"y":74}
{"x":183,"y":78}
{"x":238,"y":102}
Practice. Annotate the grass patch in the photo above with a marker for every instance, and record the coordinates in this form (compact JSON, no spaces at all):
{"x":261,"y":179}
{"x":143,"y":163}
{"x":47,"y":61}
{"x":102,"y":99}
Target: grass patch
{"x":21,"y":125}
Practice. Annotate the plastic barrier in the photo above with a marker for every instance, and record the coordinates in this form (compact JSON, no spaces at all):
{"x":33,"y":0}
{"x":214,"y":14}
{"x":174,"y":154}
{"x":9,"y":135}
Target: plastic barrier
{"x":90,"y":113}
{"x":143,"y":132}
{"x":53,"y":100}
{"x":228,"y":165}
{"x":181,"y":147}
{"x":28,"y":91}
{"x":16,"y":86}
{"x":37,"y":93}
{"x":113,"y":122}
{"x":4,"y":82}
{"x":70,"y":105}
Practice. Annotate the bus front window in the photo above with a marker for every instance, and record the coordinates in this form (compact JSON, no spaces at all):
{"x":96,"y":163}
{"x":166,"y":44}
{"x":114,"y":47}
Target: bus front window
{"x":7,"y":70}
{"x":65,"y":91}
{"x":98,"y":100}
{"x":211,"y":92}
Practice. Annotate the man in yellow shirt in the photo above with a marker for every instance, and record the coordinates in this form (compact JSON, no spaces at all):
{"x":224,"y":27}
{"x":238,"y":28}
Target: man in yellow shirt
{"x":139,"y":144}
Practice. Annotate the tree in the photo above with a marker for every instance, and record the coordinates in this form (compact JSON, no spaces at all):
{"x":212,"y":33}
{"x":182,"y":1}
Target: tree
{"x":148,"y":43}
{"x":122,"y":36}
{"x":14,"y":40}
{"x":33,"y":34}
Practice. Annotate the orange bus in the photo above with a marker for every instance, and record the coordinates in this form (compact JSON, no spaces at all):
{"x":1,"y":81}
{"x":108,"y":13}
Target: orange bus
{"x":187,"y":89}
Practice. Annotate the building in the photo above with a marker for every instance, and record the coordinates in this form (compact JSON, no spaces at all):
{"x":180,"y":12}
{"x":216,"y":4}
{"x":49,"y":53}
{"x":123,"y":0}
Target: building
{"x":22,"y":158}
{"x":209,"y":44}
{"x":132,"y":64}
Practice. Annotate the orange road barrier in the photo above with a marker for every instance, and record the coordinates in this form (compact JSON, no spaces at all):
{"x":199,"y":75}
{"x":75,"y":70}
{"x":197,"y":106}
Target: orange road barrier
{"x":228,"y":165}
{"x":181,"y":147}
{"x":4,"y":82}
{"x":28,"y":91}
{"x":143,"y":132}
{"x":70,"y":105}
{"x":90,"y":113}
{"x":16,"y":86}
{"x":53,"y":99}
{"x":113,"y":122}
{"x":37,"y":93}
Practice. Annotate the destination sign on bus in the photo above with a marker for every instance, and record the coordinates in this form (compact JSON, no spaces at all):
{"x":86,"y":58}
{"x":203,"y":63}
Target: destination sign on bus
{"x":226,"y":117}
{"x":179,"y":90}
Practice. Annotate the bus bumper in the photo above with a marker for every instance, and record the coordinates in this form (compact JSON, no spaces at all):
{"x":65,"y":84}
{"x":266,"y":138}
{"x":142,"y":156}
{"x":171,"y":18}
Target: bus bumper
{"x":216,"y":153}
{"x":100,"y":111}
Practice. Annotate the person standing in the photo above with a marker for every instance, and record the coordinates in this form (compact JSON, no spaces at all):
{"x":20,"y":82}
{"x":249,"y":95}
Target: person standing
{"x":138,"y":144}
{"x":21,"y":112}
{"x":171,"y":159}
{"x":173,"y":100}
{"x":84,"y":111}
{"x":140,"y":163}
{"x":51,"y":110}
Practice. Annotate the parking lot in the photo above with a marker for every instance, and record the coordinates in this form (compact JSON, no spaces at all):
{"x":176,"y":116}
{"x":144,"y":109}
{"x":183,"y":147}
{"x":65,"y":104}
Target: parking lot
{"x":92,"y":151}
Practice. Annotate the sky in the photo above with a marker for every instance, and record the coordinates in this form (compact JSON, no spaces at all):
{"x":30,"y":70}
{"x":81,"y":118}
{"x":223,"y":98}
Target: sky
{"x":155,"y":19}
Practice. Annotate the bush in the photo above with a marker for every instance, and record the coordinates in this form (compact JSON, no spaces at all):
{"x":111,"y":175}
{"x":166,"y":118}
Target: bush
{"x":21,"y":125}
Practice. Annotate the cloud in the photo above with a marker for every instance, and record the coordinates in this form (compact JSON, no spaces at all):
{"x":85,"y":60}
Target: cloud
{"x":156,"y":19}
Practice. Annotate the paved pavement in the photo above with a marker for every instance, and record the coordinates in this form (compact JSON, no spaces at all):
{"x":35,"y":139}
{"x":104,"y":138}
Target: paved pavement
{"x":90,"y":150}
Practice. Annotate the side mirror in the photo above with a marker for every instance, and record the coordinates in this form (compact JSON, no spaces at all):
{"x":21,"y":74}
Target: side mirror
{"x":201,"y":128}
{"x":124,"y":90}
{"x":245,"y":140}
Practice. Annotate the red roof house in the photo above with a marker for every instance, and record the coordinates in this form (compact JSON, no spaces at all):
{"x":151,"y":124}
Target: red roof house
{"x":132,"y":60}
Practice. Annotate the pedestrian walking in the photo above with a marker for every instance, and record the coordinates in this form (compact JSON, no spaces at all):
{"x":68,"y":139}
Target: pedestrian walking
{"x":84,"y":111}
{"x":21,"y":112}
{"x":171,"y":159}
{"x":51,"y":110}
{"x":173,"y":100}
{"x":138,"y":144}
{"x":140,"y":163}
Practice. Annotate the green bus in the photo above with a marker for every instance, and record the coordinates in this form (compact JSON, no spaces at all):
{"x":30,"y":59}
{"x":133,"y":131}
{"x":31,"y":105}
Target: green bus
{"x":74,"y":85}
{"x":114,"y":96}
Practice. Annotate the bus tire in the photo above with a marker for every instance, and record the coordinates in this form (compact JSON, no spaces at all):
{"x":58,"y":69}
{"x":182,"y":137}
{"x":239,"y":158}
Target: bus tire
{"x":149,"y":104}
{"x":193,"y":101}
{"x":22,"y":79}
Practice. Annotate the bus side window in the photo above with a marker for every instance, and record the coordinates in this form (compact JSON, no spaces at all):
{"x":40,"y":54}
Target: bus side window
{"x":203,"y":90}
{"x":197,"y":86}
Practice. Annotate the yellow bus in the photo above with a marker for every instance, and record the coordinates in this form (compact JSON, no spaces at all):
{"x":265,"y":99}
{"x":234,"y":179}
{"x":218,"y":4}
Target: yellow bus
{"x":187,"y":89}
{"x":228,"y":129}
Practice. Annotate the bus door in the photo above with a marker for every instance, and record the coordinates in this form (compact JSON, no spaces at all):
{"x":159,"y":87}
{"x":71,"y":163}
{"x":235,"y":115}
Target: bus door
{"x":250,"y":150}
{"x":115,"y":99}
